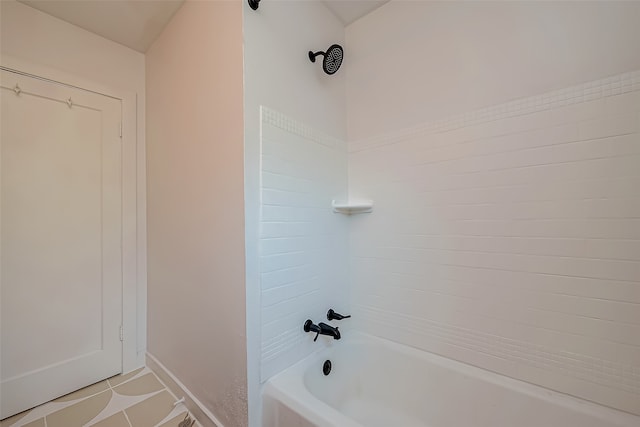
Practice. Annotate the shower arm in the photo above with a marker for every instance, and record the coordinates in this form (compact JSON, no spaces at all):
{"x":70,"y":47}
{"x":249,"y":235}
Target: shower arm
{"x":312,"y":55}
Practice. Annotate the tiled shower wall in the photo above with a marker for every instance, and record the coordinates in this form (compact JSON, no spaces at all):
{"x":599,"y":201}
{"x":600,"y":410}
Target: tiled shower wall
{"x":303,"y":244}
{"x":509,"y":238}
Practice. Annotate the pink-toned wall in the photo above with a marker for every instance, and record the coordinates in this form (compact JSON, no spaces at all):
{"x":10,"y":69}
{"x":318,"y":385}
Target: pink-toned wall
{"x":196,"y":286}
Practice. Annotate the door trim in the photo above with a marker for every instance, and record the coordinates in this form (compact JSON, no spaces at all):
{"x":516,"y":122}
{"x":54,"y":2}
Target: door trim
{"x":134,"y":256}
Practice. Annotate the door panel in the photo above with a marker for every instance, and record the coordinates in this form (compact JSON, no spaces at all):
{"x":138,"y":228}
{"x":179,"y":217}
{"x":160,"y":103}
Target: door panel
{"x":60,"y":240}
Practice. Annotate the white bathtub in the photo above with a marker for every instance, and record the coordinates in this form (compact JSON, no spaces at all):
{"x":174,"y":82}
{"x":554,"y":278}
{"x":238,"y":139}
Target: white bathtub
{"x":377,"y":383}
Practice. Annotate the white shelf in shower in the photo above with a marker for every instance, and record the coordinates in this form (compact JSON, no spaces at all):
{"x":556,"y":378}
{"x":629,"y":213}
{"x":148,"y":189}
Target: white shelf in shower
{"x":352,"y":207}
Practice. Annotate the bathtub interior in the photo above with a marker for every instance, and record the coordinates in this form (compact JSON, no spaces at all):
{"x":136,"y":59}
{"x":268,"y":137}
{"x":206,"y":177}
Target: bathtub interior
{"x":376,"y":384}
{"x":276,"y":414}
{"x":362,"y":387}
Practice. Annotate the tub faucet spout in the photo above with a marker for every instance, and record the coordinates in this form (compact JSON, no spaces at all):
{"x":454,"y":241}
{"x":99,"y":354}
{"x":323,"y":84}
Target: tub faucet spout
{"x":329,"y":330}
{"x":321,"y":329}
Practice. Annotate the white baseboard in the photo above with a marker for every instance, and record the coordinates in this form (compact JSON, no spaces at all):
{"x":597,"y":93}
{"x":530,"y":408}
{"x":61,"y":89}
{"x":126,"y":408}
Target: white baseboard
{"x":204,"y":417}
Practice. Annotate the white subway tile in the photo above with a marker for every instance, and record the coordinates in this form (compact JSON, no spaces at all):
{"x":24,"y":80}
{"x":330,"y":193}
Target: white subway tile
{"x":578,"y":112}
{"x":602,"y":127}
{"x":509,"y":238}
{"x":623,"y":103}
{"x":303,"y":261}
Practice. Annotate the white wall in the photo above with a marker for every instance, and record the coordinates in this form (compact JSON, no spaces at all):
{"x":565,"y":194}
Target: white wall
{"x":279,"y":75}
{"x":37,"y":43}
{"x":196,"y":299}
{"x":500,"y":144}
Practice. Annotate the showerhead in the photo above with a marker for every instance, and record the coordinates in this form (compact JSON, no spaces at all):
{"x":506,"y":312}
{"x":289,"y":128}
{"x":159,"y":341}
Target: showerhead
{"x":332,"y":58}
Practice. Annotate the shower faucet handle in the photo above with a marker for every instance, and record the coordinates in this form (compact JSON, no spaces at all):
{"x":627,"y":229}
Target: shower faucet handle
{"x":332,"y":315}
{"x":309,"y":326}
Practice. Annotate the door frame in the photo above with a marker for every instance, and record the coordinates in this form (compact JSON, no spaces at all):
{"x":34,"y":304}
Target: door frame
{"x":134,"y":254}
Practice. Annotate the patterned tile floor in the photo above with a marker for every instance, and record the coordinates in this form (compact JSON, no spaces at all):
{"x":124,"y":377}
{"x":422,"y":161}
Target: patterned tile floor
{"x":138,"y":399}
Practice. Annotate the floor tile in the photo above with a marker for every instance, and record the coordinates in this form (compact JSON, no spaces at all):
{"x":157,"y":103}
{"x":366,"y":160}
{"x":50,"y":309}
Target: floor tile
{"x":84,"y":392}
{"x":119,"y":379}
{"x":173,"y":422}
{"x":14,"y":419}
{"x":121,"y":401}
{"x":79,"y":413}
{"x":145,"y":384}
{"x":116,"y":420}
{"x":151,"y":411}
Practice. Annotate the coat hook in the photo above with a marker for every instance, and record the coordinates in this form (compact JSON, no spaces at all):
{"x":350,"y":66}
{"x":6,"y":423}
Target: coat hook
{"x":17,"y":89}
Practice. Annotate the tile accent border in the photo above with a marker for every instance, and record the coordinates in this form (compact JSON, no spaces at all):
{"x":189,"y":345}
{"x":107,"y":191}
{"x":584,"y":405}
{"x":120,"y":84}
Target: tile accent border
{"x":286,"y":123}
{"x":597,"y":89}
{"x":203,"y":416}
{"x":607,"y":373}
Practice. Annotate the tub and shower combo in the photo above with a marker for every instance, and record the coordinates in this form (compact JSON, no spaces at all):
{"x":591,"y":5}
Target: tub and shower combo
{"x":359,"y":380}
{"x":372,"y":382}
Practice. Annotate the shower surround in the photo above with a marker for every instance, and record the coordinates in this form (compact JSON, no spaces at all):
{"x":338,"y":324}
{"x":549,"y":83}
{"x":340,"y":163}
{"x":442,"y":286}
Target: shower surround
{"x":501,"y":147}
{"x":509,"y":238}
{"x":501,"y":153}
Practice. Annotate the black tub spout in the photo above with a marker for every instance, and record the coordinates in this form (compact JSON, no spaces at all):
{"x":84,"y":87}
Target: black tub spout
{"x":321,"y":329}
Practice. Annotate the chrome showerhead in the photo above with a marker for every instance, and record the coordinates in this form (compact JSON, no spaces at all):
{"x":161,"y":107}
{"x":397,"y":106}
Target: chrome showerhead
{"x":332,"y":58}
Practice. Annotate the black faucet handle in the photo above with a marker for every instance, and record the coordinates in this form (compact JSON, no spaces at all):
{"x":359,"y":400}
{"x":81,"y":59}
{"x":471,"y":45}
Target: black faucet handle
{"x":332,"y":315}
{"x":309,"y":327}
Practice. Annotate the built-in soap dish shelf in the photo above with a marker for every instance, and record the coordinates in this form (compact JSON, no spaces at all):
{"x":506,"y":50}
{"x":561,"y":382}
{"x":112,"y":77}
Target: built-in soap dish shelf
{"x":352,"y":207}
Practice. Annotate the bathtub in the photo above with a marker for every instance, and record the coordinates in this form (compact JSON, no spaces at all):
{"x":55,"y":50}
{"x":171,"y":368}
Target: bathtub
{"x":378,"y":383}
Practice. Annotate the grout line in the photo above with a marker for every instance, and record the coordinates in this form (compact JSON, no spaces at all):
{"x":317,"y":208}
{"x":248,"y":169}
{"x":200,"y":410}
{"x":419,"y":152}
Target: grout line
{"x":127,"y":417}
{"x":136,"y":376}
{"x":478,"y":267}
{"x":511,"y":355}
{"x":508,"y":253}
{"x":164,"y":385}
{"x":171,"y":394}
{"x":425,"y":190}
{"x":70,"y":403}
{"x":514,"y":237}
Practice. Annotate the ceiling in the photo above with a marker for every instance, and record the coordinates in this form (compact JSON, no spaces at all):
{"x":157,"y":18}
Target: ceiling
{"x":133,"y":23}
{"x":350,"y":10}
{"x":137,"y":23}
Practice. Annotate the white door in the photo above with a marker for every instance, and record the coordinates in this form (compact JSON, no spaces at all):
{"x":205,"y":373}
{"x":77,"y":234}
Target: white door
{"x":60,"y":240}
